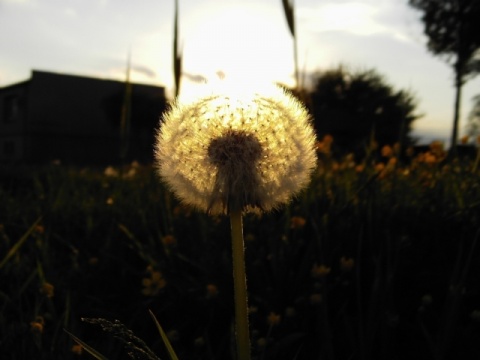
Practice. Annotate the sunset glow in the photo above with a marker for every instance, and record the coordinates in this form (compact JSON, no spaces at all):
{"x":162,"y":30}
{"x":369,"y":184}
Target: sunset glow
{"x":240,"y":42}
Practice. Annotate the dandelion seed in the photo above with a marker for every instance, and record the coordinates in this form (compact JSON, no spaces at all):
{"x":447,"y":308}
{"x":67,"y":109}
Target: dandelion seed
{"x":236,"y":150}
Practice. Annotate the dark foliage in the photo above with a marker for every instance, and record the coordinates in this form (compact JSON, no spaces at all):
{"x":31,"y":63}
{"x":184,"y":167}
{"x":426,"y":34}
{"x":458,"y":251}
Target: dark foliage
{"x":358,"y":107}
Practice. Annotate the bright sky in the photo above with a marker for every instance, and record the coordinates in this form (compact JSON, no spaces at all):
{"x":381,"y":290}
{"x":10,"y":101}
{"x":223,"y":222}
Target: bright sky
{"x":244,"y":38}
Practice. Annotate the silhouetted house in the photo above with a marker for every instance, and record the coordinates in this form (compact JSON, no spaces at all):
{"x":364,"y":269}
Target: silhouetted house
{"x":77,"y":120}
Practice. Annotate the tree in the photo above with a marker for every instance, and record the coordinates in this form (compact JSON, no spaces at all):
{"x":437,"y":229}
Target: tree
{"x":453,"y":30}
{"x":354,"y":106}
{"x":473,"y":126}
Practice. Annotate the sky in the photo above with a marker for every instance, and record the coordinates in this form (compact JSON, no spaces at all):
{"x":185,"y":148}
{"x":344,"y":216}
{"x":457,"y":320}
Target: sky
{"x":245,"y":39}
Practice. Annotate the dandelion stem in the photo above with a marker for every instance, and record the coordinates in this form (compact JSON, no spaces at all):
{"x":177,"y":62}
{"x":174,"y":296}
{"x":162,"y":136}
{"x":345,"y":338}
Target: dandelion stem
{"x":240,"y":287}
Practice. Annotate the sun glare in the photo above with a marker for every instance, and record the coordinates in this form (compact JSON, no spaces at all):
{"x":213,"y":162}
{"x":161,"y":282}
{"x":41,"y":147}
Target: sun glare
{"x":243,"y":42}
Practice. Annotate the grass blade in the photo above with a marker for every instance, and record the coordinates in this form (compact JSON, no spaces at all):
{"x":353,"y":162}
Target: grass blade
{"x":167,"y":343}
{"x":19,"y":243}
{"x":87,"y":347}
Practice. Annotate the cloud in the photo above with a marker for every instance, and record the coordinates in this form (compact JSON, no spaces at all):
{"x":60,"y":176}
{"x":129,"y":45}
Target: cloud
{"x":20,"y":1}
{"x":360,"y":18}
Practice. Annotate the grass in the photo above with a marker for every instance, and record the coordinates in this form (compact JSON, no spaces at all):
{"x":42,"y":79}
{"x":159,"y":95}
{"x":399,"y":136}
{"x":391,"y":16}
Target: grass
{"x":370,"y":262}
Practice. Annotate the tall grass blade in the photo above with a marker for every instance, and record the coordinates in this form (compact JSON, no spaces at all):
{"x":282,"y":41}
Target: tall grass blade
{"x":126,"y":113}
{"x":177,"y":53}
{"x":165,"y":340}
{"x":19,"y":243}
{"x":87,"y":347}
{"x":289,"y":10}
{"x":289,"y":14}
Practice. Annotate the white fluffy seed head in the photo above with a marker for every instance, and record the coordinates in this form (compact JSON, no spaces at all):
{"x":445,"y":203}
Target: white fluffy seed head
{"x":236,"y":150}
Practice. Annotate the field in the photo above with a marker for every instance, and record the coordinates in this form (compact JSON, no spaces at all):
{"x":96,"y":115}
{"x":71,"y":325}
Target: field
{"x":377,"y":259}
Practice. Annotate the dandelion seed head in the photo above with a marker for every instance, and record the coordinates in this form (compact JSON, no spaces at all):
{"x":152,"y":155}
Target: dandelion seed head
{"x":236,"y":149}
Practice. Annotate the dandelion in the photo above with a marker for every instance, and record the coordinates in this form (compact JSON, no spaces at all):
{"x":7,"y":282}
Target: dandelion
{"x":237,"y":150}
{"x":233,"y":152}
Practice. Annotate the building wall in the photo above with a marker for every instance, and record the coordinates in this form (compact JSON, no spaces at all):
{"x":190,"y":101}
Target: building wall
{"x":13,"y":115}
{"x":76,"y":120}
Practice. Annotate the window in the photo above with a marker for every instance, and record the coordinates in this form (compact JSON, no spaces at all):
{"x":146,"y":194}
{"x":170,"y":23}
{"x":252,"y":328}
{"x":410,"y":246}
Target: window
{"x":11,"y":108}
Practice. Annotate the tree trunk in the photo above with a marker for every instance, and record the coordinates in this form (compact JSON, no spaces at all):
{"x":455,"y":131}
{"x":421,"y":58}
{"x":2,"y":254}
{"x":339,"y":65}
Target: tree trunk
{"x":456,"y":116}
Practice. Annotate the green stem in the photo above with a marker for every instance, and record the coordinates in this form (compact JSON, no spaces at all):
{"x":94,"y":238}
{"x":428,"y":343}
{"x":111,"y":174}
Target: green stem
{"x":240,"y":287}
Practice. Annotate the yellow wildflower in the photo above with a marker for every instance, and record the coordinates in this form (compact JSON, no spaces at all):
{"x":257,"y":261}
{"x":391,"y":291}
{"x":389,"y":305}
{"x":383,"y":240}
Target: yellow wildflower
{"x":297,"y":222}
{"x":273,"y":319}
{"x":315,"y":299}
{"x":47,"y":289}
{"x":346,"y":264}
{"x":320,"y":271}
{"x":359,"y":168}
{"x":153,"y":283}
{"x":212,"y":291}
{"x":77,"y":349}
{"x":325,"y":145}
{"x":387,"y":151}
{"x":429,"y":158}
{"x":169,"y":240}
{"x":261,"y":343}
{"x":436,"y":147}
{"x":379,"y":167}
{"x":37,"y":325}
{"x":39,"y":229}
